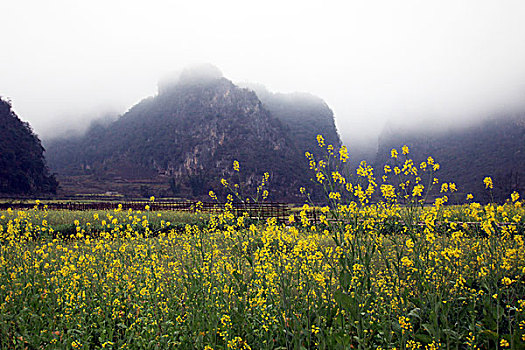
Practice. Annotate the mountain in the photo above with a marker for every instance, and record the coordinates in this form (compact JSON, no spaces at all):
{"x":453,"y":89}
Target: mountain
{"x":494,"y":147}
{"x":23,"y":170}
{"x":182,"y":141}
{"x":304,"y":114}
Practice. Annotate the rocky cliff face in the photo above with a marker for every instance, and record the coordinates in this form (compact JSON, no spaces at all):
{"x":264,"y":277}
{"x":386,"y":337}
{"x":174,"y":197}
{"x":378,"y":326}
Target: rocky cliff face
{"x":305,"y":116}
{"x":22,"y":166}
{"x":189,"y":135}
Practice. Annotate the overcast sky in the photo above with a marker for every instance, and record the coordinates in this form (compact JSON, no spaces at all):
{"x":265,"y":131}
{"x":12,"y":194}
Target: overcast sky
{"x":63,"y":62}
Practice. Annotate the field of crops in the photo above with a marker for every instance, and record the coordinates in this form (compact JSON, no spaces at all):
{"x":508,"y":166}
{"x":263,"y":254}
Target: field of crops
{"x":393,"y":274}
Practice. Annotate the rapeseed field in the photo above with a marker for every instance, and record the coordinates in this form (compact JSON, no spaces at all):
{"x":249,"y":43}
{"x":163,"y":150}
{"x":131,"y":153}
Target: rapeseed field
{"x":388,"y":265}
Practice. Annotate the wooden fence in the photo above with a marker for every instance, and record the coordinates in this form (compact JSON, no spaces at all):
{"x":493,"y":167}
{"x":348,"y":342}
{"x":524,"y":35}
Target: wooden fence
{"x":280,"y":211}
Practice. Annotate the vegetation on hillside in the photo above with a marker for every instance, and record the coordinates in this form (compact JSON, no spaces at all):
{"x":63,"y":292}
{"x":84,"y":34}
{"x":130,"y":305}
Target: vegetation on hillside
{"x":23,"y":170}
{"x":304,"y":114}
{"x":494,"y":147}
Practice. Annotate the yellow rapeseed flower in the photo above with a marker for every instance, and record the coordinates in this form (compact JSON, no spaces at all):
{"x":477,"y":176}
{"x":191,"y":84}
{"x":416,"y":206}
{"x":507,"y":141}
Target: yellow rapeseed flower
{"x":488,"y":182}
{"x":320,"y":140}
{"x":393,"y":153}
{"x":417,"y":190}
{"x":343,"y":154}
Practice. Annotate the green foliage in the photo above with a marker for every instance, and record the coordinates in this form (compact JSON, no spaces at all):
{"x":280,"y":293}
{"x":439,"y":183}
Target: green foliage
{"x":22,"y":165}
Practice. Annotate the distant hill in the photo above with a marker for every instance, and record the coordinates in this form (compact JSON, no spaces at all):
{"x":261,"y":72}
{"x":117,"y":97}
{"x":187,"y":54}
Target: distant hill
{"x":304,"y":114}
{"x":493,"y":147}
{"x":22,"y":165}
{"x":184,"y":140}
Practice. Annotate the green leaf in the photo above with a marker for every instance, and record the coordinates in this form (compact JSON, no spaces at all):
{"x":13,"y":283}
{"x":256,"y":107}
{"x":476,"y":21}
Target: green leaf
{"x":415,"y":313}
{"x":343,"y":299}
{"x":490,"y":334}
{"x":423,"y":338}
{"x":429,"y":328}
{"x":345,"y":279}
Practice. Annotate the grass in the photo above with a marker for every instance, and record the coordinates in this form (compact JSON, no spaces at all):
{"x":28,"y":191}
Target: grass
{"x":64,"y":223}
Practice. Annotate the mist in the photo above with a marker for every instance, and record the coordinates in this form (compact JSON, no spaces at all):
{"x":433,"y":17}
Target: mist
{"x":411,"y":63}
